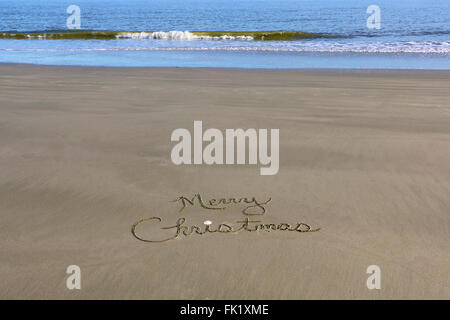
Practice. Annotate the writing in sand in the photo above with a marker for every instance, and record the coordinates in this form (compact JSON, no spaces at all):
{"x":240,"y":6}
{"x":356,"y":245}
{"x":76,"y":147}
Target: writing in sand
{"x":253,"y":207}
{"x":179,"y":229}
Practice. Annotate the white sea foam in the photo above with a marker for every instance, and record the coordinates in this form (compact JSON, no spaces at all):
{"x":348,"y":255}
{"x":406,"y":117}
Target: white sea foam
{"x":177,"y":35}
{"x":261,"y":49}
{"x":423,"y":47}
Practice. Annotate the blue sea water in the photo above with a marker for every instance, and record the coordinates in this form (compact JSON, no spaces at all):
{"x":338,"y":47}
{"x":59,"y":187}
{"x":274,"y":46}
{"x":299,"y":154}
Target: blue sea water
{"x":413,"y":34}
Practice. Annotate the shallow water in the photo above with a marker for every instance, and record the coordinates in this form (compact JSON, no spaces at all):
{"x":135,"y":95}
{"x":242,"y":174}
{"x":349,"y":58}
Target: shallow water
{"x":413,"y":34}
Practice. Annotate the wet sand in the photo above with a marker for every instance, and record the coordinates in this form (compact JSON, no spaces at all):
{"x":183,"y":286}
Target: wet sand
{"x":85,"y":154}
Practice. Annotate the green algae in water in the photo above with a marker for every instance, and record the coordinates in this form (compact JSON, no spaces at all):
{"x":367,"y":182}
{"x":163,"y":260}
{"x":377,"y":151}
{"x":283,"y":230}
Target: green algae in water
{"x":82,"y":35}
{"x":110,"y":35}
{"x":264,"y":35}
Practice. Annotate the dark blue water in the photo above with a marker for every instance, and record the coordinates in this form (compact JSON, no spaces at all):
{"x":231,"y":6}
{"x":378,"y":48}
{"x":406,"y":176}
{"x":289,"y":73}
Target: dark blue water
{"x":413,"y":34}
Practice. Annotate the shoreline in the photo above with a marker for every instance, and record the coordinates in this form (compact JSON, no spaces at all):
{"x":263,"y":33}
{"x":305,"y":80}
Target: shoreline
{"x":307,"y":70}
{"x":230,"y":59}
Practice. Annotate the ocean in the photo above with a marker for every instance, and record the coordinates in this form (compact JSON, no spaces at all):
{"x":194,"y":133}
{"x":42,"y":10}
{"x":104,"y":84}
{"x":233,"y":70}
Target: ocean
{"x":413,"y":34}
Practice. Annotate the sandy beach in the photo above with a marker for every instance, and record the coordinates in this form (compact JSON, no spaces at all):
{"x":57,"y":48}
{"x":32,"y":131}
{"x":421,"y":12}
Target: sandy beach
{"x":85,"y":154}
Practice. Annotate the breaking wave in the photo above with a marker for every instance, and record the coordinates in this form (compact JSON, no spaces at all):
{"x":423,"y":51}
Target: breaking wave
{"x":178,"y":35}
{"x":166,"y":35}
